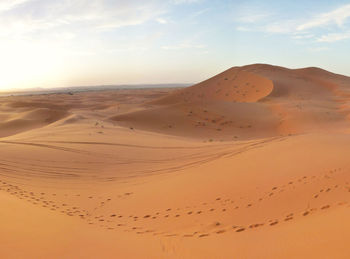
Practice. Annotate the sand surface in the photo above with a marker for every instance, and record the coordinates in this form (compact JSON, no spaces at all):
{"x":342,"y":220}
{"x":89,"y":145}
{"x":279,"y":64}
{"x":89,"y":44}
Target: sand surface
{"x":252,"y":163}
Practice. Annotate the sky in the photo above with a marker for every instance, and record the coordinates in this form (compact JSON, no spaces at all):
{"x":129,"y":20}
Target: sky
{"x":51,"y":43}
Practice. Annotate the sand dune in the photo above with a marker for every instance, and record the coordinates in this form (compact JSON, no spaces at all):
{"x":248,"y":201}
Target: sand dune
{"x":180,"y":173}
{"x":289,"y":101}
{"x":31,"y":119}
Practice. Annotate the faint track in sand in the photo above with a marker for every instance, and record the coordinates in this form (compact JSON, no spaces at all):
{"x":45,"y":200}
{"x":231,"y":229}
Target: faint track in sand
{"x":80,"y":169}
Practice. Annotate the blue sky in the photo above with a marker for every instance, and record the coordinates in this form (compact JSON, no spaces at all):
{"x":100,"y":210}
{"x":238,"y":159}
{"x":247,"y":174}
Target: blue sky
{"x":50,"y":43}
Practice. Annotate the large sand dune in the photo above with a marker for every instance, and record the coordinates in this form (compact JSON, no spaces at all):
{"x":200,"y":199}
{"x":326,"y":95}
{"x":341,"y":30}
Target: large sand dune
{"x":252,"y":163}
{"x":249,"y":102}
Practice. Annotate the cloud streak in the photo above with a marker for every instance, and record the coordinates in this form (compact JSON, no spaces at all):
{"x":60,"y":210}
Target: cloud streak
{"x":300,"y":29}
{"x":6,"y":5}
{"x":333,"y":37}
{"x":25,"y":16}
{"x":338,"y":16}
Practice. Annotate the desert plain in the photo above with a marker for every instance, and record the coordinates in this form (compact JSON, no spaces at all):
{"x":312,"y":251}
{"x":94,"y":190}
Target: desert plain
{"x":251,"y":163}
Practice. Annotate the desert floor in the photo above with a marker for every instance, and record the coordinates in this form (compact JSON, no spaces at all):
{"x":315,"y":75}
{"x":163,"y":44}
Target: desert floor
{"x":258,"y":170}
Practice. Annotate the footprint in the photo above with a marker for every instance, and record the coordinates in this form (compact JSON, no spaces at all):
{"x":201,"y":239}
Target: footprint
{"x":306,"y":213}
{"x":256,"y":225}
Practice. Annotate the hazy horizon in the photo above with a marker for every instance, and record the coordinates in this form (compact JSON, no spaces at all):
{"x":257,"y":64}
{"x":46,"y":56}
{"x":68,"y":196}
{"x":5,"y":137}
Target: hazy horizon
{"x":48,"y":44}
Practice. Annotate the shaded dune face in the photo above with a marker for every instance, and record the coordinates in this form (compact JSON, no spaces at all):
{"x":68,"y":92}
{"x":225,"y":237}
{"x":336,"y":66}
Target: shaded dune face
{"x":260,"y":100}
{"x":31,"y":119}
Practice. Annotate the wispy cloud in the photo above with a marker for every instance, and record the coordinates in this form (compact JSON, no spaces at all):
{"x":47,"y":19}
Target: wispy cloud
{"x":299,"y":28}
{"x":337,"y":16}
{"x":6,"y":5}
{"x":246,"y":13}
{"x":333,"y":37}
{"x":26,"y":16}
{"x":161,"y":20}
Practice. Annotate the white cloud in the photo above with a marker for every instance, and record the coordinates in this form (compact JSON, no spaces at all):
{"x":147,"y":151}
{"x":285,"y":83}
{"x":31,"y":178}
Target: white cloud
{"x":333,"y":37}
{"x":199,"y":13}
{"x":27,"y":16}
{"x":6,"y":5}
{"x":337,"y":16}
{"x":300,"y":29}
{"x":161,"y":21}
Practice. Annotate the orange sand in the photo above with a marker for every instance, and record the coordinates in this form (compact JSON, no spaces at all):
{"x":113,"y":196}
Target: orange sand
{"x":252,"y":163}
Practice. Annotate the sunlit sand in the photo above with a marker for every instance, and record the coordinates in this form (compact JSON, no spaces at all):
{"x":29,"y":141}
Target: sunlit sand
{"x":252,"y":163}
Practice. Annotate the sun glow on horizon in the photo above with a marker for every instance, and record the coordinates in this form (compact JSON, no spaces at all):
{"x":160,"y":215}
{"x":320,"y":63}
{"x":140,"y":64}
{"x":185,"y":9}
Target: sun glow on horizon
{"x":25,"y":65}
